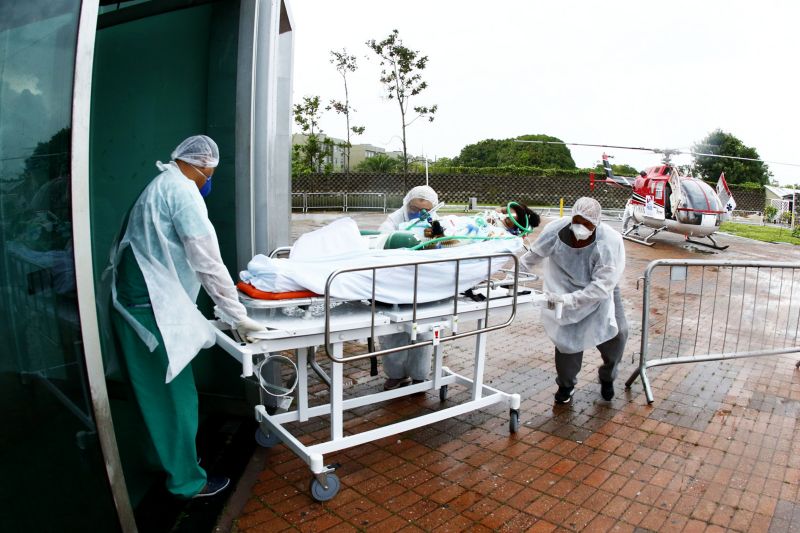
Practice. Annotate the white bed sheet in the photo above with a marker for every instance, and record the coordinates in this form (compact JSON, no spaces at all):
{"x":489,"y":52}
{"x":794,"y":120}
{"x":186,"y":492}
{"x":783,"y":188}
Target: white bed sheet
{"x":307,"y":269}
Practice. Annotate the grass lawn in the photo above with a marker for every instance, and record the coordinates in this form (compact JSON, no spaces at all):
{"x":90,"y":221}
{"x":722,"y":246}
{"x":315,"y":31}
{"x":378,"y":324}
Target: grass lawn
{"x":760,"y":233}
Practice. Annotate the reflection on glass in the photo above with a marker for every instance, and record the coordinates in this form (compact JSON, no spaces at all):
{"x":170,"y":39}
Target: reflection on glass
{"x":49,"y":455}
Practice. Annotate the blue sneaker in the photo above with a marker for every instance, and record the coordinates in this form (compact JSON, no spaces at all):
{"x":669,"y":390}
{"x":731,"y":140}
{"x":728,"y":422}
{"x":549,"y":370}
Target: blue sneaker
{"x":214,"y":485}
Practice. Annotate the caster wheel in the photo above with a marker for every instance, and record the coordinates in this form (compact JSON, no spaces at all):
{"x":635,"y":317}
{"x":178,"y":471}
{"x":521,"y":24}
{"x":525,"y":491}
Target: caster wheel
{"x":443,"y":393}
{"x":513,"y":423}
{"x":320,"y":493}
{"x":266,"y":440}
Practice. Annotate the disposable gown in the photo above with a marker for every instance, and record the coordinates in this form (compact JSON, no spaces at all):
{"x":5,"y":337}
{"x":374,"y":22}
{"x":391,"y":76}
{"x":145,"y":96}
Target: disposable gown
{"x":394,"y":220}
{"x":176,"y":248}
{"x":399,"y":216}
{"x":589,"y":274}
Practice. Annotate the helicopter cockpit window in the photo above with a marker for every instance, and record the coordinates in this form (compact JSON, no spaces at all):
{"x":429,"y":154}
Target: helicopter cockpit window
{"x":660,"y":190}
{"x":698,"y":197}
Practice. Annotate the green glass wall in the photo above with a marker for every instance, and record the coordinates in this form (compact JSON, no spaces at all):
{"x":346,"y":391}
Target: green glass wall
{"x":53,"y":471}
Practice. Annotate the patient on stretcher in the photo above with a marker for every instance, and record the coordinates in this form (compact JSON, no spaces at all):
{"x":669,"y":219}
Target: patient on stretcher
{"x":431,"y":230}
{"x":339,"y":245}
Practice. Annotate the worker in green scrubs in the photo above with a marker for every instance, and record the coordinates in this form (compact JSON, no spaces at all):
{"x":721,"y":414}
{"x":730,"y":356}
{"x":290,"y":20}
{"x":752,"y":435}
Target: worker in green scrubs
{"x":168,"y":249}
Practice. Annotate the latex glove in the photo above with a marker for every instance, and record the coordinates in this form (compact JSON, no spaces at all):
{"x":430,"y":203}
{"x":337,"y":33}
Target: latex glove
{"x":553,"y":299}
{"x":247,"y":327}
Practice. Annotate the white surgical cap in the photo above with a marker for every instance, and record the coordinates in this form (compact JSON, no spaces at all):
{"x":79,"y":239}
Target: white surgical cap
{"x":422,"y":192}
{"x":198,"y":150}
{"x":588,"y":208}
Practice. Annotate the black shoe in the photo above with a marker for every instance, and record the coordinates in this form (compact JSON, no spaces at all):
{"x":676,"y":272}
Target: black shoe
{"x":607,"y":390}
{"x":564,"y":394}
{"x":394,"y":383}
{"x":214,"y":485}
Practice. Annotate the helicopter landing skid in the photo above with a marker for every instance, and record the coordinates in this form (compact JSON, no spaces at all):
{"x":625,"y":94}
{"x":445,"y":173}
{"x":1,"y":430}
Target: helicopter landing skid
{"x":642,"y":240}
{"x":713,"y":244}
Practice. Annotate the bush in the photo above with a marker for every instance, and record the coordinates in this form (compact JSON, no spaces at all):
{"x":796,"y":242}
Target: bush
{"x":769,"y":213}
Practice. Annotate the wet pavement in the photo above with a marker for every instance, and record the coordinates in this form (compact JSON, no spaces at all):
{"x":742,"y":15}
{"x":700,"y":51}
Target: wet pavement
{"x":716,"y":451}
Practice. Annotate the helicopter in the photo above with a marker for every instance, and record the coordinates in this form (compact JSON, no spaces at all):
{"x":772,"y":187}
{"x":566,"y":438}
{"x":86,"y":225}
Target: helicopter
{"x":664,"y":199}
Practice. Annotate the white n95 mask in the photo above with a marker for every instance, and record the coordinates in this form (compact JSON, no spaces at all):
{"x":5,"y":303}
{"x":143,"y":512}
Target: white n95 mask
{"x":580,"y":231}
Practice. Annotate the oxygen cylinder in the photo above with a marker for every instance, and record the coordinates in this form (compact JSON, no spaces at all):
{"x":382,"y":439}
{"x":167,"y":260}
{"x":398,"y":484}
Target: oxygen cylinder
{"x":397,"y":239}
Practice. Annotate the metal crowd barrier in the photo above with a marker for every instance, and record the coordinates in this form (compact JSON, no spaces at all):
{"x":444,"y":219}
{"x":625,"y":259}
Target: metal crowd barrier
{"x":365,"y":200}
{"x":338,"y":201}
{"x":696,"y":311}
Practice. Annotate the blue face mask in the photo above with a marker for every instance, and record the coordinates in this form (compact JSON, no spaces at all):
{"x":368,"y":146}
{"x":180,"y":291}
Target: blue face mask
{"x":413,"y":215}
{"x":205,"y":190}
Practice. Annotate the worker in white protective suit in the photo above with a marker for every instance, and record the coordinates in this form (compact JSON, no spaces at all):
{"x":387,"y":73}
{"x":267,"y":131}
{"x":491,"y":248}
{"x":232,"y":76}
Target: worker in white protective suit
{"x":167,"y":250}
{"x":585,"y":261}
{"x":417,"y":199}
{"x":413,"y":365}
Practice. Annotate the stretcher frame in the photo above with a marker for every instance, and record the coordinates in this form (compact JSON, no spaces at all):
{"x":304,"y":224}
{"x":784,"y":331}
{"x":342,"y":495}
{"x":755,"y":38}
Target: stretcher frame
{"x":366,"y":319}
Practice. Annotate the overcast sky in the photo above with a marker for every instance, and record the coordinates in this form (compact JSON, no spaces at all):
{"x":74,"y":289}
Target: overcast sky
{"x":632,"y":73}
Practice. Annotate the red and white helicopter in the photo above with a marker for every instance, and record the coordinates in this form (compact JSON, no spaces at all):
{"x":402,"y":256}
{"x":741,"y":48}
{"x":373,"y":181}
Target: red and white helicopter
{"x":664,"y":199}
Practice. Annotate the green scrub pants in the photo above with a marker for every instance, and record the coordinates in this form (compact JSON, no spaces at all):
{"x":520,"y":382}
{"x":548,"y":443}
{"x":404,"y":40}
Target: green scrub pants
{"x":169,"y":409}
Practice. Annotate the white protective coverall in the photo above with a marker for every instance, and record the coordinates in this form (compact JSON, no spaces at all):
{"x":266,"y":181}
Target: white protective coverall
{"x":586,"y":277}
{"x":416,"y":362}
{"x":176,"y":249}
{"x":393,"y":221}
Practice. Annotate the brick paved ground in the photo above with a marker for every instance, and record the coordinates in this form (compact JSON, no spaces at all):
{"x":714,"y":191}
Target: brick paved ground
{"x":717,"y":451}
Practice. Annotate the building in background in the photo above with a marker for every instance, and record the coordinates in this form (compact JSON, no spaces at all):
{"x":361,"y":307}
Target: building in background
{"x":360,"y":152}
{"x":335,"y":158}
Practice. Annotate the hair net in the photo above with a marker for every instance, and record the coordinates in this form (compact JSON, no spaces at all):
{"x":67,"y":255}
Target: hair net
{"x":199,"y":150}
{"x":423,"y":192}
{"x":588,"y":208}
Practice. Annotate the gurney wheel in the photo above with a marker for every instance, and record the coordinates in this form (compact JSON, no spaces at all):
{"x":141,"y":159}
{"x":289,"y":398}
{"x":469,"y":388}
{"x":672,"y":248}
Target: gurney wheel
{"x":266,"y":440}
{"x":443,"y":393}
{"x":320,"y":493}
{"x":513,"y":423}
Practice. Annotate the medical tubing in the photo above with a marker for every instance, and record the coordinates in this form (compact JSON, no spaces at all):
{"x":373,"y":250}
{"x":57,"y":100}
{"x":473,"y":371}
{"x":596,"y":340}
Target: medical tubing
{"x":527,"y":228}
{"x":458,"y":237}
{"x":421,"y":218}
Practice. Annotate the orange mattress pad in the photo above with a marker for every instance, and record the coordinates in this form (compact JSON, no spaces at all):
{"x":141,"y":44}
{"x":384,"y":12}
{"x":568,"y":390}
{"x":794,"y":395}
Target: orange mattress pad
{"x":252,"y":292}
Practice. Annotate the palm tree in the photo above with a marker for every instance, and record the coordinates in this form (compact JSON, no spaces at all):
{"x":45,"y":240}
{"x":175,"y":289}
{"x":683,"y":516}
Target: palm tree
{"x":379,"y":163}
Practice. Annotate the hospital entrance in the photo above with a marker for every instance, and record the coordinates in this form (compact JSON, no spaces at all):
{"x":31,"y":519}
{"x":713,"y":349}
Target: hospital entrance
{"x":92,"y":96}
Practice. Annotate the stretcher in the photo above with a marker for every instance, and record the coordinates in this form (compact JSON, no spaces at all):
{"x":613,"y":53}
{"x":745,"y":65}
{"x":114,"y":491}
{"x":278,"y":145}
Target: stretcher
{"x":325,"y":322}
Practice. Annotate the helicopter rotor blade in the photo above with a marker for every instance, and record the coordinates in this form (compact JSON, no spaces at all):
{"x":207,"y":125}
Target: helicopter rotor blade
{"x":666,"y":151}
{"x":656,"y":150}
{"x":740,"y":158}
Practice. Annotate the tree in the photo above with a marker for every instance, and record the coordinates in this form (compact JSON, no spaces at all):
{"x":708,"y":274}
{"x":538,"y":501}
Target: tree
{"x":619,"y":170}
{"x":314,"y":151}
{"x":379,"y":163}
{"x":508,"y":152}
{"x":484,"y":153}
{"x":736,"y":170}
{"x":442,"y":162}
{"x":401,"y":75}
{"x":345,"y":63}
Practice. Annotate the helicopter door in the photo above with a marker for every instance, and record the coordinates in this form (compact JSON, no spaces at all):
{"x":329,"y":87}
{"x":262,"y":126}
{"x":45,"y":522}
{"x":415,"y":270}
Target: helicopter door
{"x":674,"y":198}
{"x":654,"y":201}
